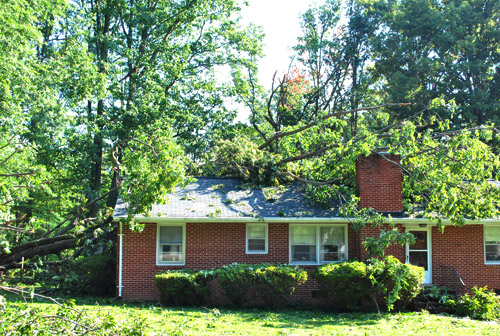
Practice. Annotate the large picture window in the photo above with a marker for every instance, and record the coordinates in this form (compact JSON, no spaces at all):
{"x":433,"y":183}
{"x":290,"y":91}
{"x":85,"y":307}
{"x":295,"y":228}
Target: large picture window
{"x":317,"y":244}
{"x":256,"y":239}
{"x":492,"y":244}
{"x":171,"y":244}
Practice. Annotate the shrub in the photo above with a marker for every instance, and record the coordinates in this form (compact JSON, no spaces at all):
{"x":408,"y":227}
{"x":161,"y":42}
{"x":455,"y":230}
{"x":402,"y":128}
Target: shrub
{"x":183,"y":287}
{"x":97,"y":274}
{"x":278,"y":281}
{"x":397,"y":282}
{"x":236,"y":280}
{"x":274,"y":281}
{"x":344,"y":284}
{"x":482,"y":304}
{"x":91,"y":275}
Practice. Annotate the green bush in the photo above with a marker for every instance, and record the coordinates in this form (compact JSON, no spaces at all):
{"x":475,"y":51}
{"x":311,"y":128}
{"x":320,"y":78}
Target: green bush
{"x":344,"y":284}
{"x":91,"y":275}
{"x":278,"y":281}
{"x":397,"y":282}
{"x":97,"y":274}
{"x":236,"y":280}
{"x":273,"y":281}
{"x":183,"y":287}
{"x":482,"y":304}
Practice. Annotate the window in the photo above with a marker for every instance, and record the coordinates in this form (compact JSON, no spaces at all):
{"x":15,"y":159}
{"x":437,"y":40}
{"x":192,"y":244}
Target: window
{"x":492,"y":244}
{"x":171,"y":244}
{"x":256,"y":238}
{"x":317,"y":244}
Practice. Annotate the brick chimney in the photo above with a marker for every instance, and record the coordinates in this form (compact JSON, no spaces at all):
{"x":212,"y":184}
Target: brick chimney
{"x":379,"y":183}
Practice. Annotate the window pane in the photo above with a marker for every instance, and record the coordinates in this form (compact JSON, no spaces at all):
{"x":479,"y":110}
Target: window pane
{"x":170,"y":234}
{"x":492,"y":234}
{"x":256,"y":244}
{"x":332,"y":253}
{"x":304,"y":253}
{"x":256,"y":231}
{"x":332,"y":235}
{"x":303,"y":235}
{"x":171,"y":253}
{"x":493,"y":252}
{"x":419,"y":259}
{"x":420,"y":240}
{"x":332,"y":246}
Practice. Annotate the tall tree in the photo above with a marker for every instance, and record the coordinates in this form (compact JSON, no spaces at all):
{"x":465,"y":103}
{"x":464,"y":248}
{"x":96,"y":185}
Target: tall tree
{"x":125,"y":83}
{"x":449,"y":50}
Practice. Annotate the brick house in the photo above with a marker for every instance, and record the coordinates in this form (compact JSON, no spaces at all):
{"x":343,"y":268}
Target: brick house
{"x":214,"y":222}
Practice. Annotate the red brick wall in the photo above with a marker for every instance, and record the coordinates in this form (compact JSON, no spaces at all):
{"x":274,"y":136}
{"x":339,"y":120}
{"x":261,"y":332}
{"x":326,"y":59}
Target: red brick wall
{"x":379,"y":183}
{"x":208,"y":245}
{"x":462,"y":248}
{"x":397,"y":250}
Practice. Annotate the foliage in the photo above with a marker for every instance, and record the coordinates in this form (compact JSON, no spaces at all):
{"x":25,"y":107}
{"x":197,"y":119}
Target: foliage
{"x":433,"y":49}
{"x":276,"y":282}
{"x":345,"y":284}
{"x":397,"y":282}
{"x":183,"y":287}
{"x":103,"y":97}
{"x":438,"y":293}
{"x":24,"y":317}
{"x":481,"y":304}
{"x":156,"y":320}
{"x":247,"y":161}
{"x":236,"y":280}
{"x":94,"y":275}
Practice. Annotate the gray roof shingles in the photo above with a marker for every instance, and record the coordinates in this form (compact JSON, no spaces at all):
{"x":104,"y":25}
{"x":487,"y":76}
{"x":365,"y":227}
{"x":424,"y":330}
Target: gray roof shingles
{"x":226,"y":198}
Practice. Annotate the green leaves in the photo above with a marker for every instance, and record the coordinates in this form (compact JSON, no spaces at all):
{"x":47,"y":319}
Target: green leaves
{"x":152,"y":165}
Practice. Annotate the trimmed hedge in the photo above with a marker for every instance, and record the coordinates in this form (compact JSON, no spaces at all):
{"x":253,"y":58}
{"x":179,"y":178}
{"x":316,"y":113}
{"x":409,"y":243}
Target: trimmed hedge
{"x":345,"y":284}
{"x":276,"y":282}
{"x":183,"y":287}
{"x":236,"y":280}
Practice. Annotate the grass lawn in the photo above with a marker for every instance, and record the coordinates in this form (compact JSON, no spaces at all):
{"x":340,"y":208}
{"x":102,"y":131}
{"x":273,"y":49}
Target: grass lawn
{"x":205,"y":321}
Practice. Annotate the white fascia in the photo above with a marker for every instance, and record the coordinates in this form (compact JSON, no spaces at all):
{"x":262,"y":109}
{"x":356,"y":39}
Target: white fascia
{"x":404,"y":221}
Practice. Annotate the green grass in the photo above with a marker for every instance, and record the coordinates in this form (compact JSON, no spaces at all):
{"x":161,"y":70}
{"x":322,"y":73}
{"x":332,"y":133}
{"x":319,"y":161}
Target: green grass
{"x":210,"y":321}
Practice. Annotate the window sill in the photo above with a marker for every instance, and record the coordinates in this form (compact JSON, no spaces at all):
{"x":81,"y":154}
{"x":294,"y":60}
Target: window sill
{"x":256,"y":252}
{"x":170,"y":264}
{"x":492,"y":262}
{"x":315,"y":263}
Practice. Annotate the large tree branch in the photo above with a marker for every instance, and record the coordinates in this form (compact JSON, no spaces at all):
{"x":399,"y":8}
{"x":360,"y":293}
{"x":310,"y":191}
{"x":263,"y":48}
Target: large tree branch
{"x":303,"y":180}
{"x":280,"y":135}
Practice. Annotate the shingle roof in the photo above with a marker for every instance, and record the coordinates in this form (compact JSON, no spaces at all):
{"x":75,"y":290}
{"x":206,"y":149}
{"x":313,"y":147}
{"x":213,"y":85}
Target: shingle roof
{"x":227,"y":198}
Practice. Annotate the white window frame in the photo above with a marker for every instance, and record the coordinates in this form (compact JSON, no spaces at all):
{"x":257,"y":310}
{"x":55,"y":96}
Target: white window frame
{"x":318,"y":229}
{"x":266,"y":238}
{"x":488,"y":262}
{"x":158,"y":245}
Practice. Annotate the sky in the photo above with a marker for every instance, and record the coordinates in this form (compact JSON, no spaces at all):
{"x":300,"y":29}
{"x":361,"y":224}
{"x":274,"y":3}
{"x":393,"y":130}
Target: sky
{"x":280,"y":22}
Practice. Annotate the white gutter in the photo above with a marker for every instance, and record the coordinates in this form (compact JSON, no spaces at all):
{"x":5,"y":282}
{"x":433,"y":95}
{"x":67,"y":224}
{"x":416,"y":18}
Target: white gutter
{"x":293,"y":220}
{"x":120,"y":261}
